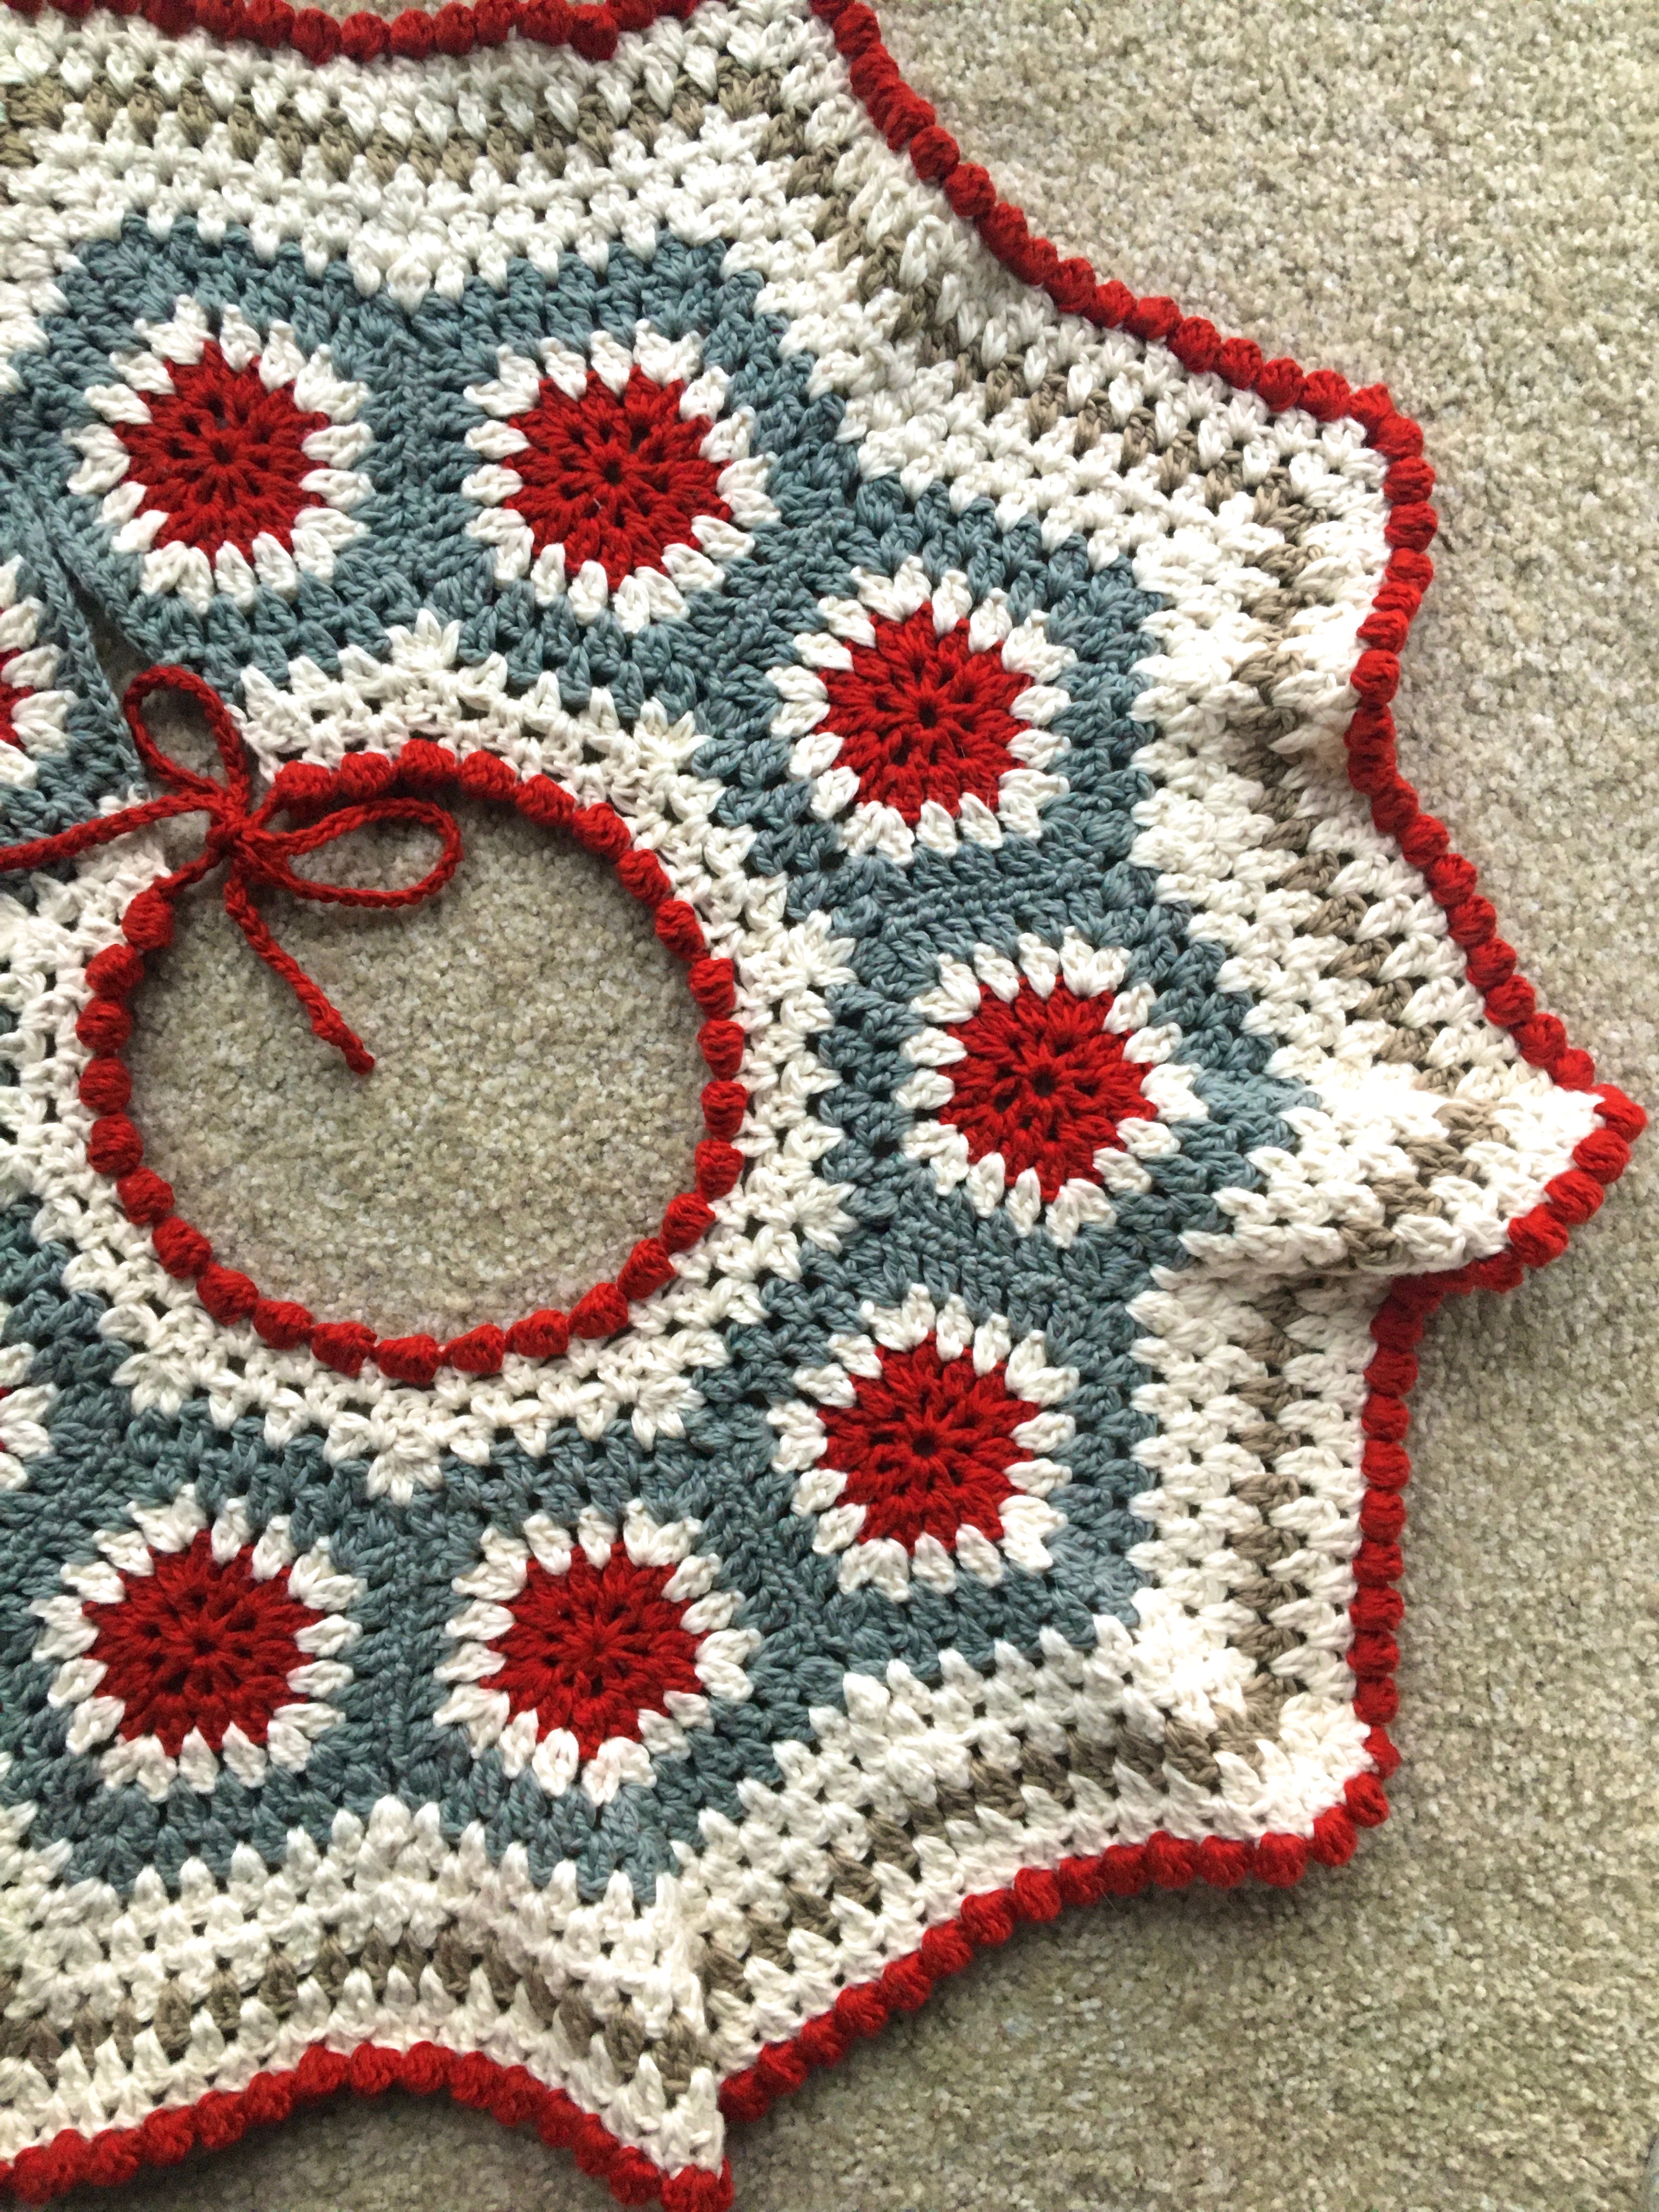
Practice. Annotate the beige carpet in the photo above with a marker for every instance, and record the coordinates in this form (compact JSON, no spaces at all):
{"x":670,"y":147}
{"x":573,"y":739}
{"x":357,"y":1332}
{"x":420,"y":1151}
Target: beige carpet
{"x":1456,"y":200}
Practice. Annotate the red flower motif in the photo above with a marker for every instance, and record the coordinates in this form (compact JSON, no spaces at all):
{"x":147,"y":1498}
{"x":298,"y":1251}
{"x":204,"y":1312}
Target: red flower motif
{"x":10,"y":699}
{"x":592,"y":1649}
{"x":615,"y":480}
{"x":926,"y":1449}
{"x":222,"y":458}
{"x":193,"y":1645}
{"x":1044,"y":1083}
{"x":921,"y":716}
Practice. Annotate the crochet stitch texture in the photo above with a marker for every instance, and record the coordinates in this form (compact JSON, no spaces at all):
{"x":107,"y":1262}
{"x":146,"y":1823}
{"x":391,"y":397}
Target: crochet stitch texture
{"x":981,"y":1493}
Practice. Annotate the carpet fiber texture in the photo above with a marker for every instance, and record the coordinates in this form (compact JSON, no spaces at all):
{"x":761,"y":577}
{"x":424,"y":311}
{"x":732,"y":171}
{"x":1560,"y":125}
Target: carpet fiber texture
{"x":1467,"y":2020}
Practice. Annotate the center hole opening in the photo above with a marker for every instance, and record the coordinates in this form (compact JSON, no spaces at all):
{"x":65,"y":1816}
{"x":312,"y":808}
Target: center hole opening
{"x":533,"y":1107}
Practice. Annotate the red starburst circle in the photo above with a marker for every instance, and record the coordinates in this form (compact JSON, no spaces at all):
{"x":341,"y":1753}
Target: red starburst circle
{"x":927,"y":1447}
{"x":615,"y":478}
{"x":196,"y":1644}
{"x":923,"y":717}
{"x":592,"y":1649}
{"x":1042,"y":1082}
{"x":222,"y":457}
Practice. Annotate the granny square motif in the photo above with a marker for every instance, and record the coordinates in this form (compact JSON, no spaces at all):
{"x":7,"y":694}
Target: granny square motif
{"x":981,"y":1491}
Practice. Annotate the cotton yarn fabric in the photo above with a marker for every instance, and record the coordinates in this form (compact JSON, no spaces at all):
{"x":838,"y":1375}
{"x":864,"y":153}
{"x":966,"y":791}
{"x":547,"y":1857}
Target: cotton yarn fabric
{"x":982,"y":1493}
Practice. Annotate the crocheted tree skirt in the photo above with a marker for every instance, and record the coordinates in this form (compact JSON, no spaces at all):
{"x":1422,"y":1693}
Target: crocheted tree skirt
{"x":983,"y":1491}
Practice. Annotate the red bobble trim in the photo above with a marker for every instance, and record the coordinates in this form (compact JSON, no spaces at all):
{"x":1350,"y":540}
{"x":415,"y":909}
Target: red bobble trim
{"x":343,"y":1346}
{"x":480,"y":1351}
{"x":362,"y":776}
{"x":1280,"y":1861}
{"x":1376,"y":677}
{"x":1378,"y":1566}
{"x":1153,"y":321}
{"x":145,"y":1196}
{"x":1073,"y":287}
{"x":409,"y":1359}
{"x":1382,"y":1514}
{"x":1195,"y":345}
{"x":543,"y":801}
{"x":1171,"y":1861}
{"x":105,"y":1025}
{"x":114,"y":1146}
{"x":302,"y":786}
{"x":679,"y":929}
{"x":685,"y":1219}
{"x":1123,"y":1870}
{"x":647,"y":1268}
{"x":1036,"y":1894}
{"x":724,"y":1105}
{"x":115,"y":971}
{"x":744,"y":2096}
{"x":1602,"y":1154}
{"x":1223,"y":1861}
{"x":1335,"y":1839}
{"x":1239,"y":359}
{"x":601,"y":829}
{"x":422,"y":767}
{"x":1491,"y":962}
{"x":1538,"y":1237}
{"x":719,"y":1167}
{"x":1365,"y":1800}
{"x":1412,"y":526}
{"x":1327,"y":396}
{"x":228,"y":1296}
{"x":602,"y":1312}
{"x":281,"y":1323}
{"x":315,"y":36}
{"x":543,"y":1336}
{"x":1392,"y":1371}
{"x":411,"y":36}
{"x":720,"y":1044}
{"x":693,"y":2188}
{"x":1376,"y":1609}
{"x":969,"y":191}
{"x":269,"y":2099}
{"x":945,"y":1951}
{"x":1621,"y":1115}
{"x":863,"y":2011}
{"x":906,"y":1984}
{"x":642,"y":876}
{"x":1573,"y":1197}
{"x":486,"y":776}
{"x":1384,"y":1417}
{"x":105,"y":1085}
{"x":714,"y":985}
{"x":988,"y":1919}
{"x":1114,"y":304}
{"x":1279,"y":383}
{"x":1386,"y":1465}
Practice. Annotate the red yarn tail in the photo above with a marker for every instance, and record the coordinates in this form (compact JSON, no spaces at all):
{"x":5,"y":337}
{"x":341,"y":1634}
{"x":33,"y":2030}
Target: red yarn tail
{"x":325,"y":1020}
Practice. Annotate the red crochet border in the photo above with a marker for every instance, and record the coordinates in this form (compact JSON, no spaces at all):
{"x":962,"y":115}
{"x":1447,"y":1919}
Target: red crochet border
{"x":115,"y":1146}
{"x":416,"y":36}
{"x":909,"y":123}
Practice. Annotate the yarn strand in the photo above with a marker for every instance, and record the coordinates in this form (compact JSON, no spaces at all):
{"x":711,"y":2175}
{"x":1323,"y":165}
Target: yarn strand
{"x":240,"y":834}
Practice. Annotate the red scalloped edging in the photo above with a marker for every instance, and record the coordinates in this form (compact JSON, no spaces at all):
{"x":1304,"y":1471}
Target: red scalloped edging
{"x":115,"y":1145}
{"x":416,"y":36}
{"x":1163,"y":1861}
{"x":509,"y":2093}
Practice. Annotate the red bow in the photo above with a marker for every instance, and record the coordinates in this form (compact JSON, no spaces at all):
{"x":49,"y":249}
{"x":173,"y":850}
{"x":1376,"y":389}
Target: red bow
{"x":241,"y":834}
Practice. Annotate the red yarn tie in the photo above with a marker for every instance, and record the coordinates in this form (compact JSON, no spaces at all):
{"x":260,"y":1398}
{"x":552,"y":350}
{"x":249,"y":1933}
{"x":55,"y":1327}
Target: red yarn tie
{"x":240,"y":835}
